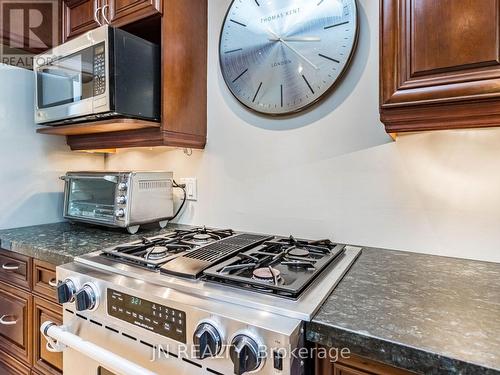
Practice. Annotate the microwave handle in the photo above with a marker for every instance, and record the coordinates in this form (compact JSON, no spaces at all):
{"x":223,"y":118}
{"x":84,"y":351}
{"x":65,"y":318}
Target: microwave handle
{"x":109,"y":178}
{"x":58,"y":338}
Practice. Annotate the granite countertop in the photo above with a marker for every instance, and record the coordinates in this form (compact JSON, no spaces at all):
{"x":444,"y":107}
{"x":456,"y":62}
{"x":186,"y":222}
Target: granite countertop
{"x":429,"y":314}
{"x":59,"y":243}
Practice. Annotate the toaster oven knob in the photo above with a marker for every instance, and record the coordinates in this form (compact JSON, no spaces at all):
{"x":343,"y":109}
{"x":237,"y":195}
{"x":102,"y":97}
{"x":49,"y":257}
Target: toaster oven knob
{"x":66,"y":291}
{"x":122,"y":186}
{"x":121,"y":199}
{"x":207,"y":341}
{"x":245,"y":354}
{"x":120,"y":212}
{"x":86,"y":298}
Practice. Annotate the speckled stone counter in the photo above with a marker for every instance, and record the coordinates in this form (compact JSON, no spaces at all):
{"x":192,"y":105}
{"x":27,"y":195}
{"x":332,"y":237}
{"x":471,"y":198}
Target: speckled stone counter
{"x":59,"y":243}
{"x":429,"y":314}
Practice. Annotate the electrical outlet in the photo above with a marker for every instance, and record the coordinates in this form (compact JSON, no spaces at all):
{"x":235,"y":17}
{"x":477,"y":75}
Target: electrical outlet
{"x":191,"y":188}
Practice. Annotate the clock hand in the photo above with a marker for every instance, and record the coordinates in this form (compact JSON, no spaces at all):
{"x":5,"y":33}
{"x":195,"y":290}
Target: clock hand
{"x":280,"y":39}
{"x":297,"y":39}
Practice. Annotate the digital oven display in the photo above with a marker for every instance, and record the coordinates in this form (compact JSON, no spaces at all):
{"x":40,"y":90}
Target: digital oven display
{"x":156,"y":318}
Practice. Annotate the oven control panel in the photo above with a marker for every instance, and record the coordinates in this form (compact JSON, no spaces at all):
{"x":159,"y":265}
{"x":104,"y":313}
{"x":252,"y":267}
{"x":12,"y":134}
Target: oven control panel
{"x":155,"y":318}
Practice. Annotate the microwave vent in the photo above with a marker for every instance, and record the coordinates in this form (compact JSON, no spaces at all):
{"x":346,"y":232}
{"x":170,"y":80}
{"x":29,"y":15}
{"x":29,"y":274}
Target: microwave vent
{"x":154,"y":184}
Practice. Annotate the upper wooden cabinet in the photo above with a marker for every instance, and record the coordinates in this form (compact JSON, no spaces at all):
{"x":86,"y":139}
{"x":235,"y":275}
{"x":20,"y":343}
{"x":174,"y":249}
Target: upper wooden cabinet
{"x":439,"y":64}
{"x":80,"y":16}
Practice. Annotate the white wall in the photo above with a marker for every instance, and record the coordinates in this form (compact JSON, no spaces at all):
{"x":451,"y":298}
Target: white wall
{"x":30,"y":164}
{"x":333,"y":172}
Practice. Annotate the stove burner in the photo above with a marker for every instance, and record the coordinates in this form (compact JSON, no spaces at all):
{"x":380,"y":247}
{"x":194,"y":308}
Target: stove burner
{"x":202,"y":237}
{"x":156,"y":253}
{"x":297,"y":252}
{"x":268,"y":274}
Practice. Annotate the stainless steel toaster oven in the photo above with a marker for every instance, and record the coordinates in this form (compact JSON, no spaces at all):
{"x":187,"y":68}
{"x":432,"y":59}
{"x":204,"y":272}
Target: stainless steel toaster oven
{"x":119,"y":199}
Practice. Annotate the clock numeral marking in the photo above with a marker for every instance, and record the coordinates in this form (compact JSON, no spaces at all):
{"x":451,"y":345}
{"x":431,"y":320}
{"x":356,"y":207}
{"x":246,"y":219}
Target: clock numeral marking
{"x":256,"y":2}
{"x":281,"y":95}
{"x":305,"y":79}
{"x":256,"y":93}
{"x":238,"y":23}
{"x":237,"y":78}
{"x":329,"y":58}
{"x":234,"y":50}
{"x":337,"y":24}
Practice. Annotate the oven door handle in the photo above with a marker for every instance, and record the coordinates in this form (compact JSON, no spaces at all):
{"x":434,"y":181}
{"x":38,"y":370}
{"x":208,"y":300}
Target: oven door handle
{"x":109,"y":178}
{"x":58,"y":338}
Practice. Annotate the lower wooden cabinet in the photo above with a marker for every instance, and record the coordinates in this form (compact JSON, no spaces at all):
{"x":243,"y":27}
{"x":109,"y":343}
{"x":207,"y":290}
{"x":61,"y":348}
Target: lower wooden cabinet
{"x":23,"y":308}
{"x":44,"y":361}
{"x":354,"y":365}
{"x":15,"y":322}
{"x":11,"y":366}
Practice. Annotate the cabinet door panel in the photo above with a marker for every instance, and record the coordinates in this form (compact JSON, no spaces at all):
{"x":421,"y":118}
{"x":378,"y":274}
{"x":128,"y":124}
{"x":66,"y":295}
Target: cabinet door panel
{"x":44,"y":280}
{"x":440,"y":64}
{"x":127,"y":11}
{"x":78,"y":17}
{"x":15,"y":325}
{"x":45,"y":362}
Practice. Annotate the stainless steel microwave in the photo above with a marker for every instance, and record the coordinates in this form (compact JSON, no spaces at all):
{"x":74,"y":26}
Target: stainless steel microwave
{"x":105,"y":73}
{"x":119,"y":199}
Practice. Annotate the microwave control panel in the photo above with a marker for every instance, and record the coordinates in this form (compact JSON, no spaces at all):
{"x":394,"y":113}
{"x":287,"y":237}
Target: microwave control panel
{"x":151,"y":316}
{"x":99,"y":70}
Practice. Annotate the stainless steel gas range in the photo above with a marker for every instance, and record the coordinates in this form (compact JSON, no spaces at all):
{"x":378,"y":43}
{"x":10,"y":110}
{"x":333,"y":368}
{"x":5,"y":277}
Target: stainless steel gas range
{"x":196,"y":301}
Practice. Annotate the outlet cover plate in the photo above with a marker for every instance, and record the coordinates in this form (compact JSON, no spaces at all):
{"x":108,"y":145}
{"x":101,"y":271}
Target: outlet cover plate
{"x":191,"y":188}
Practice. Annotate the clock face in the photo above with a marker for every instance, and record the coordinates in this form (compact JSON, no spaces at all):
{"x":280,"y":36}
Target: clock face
{"x":280,"y":56}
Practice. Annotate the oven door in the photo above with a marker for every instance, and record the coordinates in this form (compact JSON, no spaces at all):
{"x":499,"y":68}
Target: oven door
{"x":91,"y":198}
{"x":71,"y":80}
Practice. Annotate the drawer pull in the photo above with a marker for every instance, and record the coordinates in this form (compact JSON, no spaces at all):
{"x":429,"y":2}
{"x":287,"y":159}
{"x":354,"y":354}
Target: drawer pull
{"x":10,"y":322}
{"x":10,"y":266}
{"x":53,"y":283}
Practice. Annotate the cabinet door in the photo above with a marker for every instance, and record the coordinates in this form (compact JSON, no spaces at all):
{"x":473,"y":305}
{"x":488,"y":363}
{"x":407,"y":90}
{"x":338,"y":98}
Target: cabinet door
{"x":15,"y":322}
{"x":45,"y":362}
{"x":80,"y":16}
{"x":10,"y":366}
{"x":440,"y":64}
{"x":122,"y":12}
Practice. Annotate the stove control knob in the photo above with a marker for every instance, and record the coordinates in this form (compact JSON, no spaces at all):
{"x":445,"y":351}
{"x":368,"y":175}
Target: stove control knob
{"x":246,"y":354}
{"x":121,"y":199}
{"x":66,"y":291}
{"x":120,"y":212}
{"x":87,"y":298}
{"x":207,"y":341}
{"x":122,"y":186}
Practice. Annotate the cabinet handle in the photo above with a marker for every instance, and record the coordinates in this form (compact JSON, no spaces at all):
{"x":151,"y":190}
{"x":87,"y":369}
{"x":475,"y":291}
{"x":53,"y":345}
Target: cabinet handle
{"x":10,"y":266}
{"x":96,"y":14}
{"x":53,"y":283}
{"x":11,"y":322}
{"x":103,"y":12}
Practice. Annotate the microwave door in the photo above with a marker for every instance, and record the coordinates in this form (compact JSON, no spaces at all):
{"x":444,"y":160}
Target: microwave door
{"x":65,"y":87}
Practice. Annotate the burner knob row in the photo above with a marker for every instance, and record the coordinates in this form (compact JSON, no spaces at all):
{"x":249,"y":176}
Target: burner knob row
{"x":87,"y":298}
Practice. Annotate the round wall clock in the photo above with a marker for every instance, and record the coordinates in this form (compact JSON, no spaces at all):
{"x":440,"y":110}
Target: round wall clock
{"x":281,"y":56}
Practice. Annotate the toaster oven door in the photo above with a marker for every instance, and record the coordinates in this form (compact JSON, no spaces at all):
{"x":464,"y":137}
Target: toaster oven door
{"x":91,"y":198}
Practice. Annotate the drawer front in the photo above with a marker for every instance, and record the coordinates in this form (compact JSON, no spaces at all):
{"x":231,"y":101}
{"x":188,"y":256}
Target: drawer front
{"x":44,"y":280}
{"x":15,"y":322}
{"x":15,"y":269}
{"x":10,"y":366}
{"x":45,"y":362}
